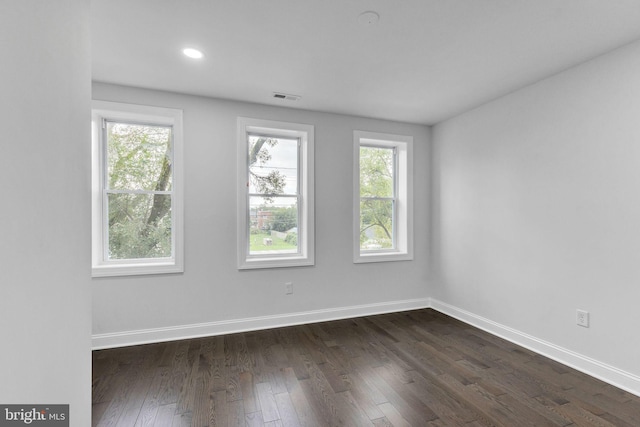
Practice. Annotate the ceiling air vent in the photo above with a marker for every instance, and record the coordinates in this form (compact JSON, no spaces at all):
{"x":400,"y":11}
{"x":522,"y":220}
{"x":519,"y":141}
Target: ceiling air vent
{"x":288,"y":97}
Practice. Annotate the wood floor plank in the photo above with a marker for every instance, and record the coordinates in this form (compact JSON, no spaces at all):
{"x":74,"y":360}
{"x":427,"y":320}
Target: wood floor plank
{"x":186,"y":392}
{"x":151,"y":403}
{"x":219,"y":374}
{"x":322,"y":406}
{"x":352,"y":410}
{"x":382,"y":422}
{"x":365,"y":376}
{"x":254,"y":419}
{"x":123,"y":394}
{"x":165,"y":415}
{"x":267,"y":401}
{"x":305,"y":413}
{"x":177,"y":375}
{"x":183,"y":420}
{"x":401,"y":396}
{"x":365,"y":398}
{"x":334,"y":377}
{"x":393,"y":415}
{"x":234,"y":392}
{"x":218,"y":414}
{"x":200,"y":414}
{"x":298,"y":361}
{"x":322,"y":398}
{"x":440,"y":401}
{"x":287,"y":410}
{"x":134,"y":402}
{"x":581,"y":417}
{"x":235,"y":414}
{"x":97,"y":411}
{"x":415,"y":368}
{"x":248,"y":396}
{"x":600,"y":405}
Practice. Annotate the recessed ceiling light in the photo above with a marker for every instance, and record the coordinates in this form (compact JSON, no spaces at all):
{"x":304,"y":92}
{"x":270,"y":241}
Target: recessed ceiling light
{"x":193,"y":53}
{"x":369,"y":18}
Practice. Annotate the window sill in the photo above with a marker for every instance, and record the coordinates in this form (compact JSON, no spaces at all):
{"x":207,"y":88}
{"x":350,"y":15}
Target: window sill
{"x":274,"y":262}
{"x":362,"y":258}
{"x":111,"y":270}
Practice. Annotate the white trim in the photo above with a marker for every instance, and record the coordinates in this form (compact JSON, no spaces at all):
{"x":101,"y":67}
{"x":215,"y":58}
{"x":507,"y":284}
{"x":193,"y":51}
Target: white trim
{"x":602,"y":371}
{"x":306,"y":225}
{"x":404,"y":196}
{"x":146,"y":336}
{"x":151,"y":115}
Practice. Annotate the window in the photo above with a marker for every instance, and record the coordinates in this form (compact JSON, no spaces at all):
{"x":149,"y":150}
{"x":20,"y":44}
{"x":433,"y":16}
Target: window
{"x":136,"y":190}
{"x":383,"y":185}
{"x":275,"y":200}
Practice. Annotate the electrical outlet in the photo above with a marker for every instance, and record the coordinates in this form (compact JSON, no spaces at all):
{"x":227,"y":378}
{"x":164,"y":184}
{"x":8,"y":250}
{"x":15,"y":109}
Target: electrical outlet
{"x":288,"y":288}
{"x":582,"y":318}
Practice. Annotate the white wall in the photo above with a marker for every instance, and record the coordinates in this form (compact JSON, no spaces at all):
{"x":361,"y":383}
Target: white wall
{"x":212,"y":290}
{"x":537,"y":213}
{"x":45,"y":302}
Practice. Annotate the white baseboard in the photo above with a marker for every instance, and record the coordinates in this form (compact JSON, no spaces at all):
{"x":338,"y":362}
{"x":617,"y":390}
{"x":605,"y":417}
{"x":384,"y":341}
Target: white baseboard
{"x":609,"y":374}
{"x":146,"y":336}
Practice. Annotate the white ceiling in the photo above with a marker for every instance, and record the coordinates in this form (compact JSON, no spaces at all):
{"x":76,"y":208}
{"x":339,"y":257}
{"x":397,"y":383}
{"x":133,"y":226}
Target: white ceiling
{"x":425,"y":61}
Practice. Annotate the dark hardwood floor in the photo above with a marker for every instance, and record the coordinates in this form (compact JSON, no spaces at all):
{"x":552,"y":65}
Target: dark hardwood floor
{"x":415,"y":368}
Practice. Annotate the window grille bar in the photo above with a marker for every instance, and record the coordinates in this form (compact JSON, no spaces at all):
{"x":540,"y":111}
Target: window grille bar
{"x":149,"y":192}
{"x":377,"y":198}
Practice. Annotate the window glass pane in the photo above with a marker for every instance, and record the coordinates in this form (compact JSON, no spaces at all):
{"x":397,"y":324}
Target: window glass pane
{"x":138,"y":157}
{"x":139,"y":226}
{"x":376,"y":172}
{"x":273,"y":225}
{"x":273,"y":165}
{"x":376,"y":228}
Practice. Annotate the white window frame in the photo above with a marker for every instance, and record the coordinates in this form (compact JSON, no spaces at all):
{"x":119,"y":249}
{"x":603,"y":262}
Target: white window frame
{"x":306,"y":227}
{"x":403,"y":217}
{"x":114,"y":111}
